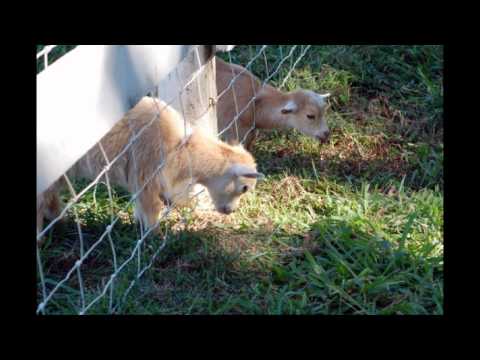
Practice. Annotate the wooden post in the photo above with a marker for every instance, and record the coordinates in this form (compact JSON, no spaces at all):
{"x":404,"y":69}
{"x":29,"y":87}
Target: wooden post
{"x":196,"y":100}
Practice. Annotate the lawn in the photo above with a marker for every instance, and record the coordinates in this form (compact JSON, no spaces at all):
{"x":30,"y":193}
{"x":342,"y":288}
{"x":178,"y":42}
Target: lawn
{"x":353,"y":226}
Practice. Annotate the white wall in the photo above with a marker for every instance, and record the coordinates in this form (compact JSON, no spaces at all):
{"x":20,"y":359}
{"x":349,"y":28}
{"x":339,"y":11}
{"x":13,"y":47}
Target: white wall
{"x":82,"y":94}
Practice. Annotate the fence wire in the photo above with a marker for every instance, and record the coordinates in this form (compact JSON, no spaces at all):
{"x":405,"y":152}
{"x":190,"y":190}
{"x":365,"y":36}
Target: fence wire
{"x":69,"y":293}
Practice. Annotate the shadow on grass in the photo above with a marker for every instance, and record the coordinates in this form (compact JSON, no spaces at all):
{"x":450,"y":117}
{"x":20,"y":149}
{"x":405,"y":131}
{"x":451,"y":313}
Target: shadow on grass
{"x":103,"y":254}
{"x":386,"y":164}
{"x":335,"y":268}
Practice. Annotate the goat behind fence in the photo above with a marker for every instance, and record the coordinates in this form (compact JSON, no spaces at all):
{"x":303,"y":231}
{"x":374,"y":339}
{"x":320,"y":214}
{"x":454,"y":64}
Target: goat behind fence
{"x":102,"y":251}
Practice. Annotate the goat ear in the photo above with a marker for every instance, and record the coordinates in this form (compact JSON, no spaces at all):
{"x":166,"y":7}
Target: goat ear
{"x":289,"y":107}
{"x":255,"y":175}
{"x":322,"y":99}
{"x":246,"y":171}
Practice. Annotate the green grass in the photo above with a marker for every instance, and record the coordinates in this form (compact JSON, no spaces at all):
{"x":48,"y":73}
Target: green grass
{"x":354,"y":226}
{"x":55,"y":54}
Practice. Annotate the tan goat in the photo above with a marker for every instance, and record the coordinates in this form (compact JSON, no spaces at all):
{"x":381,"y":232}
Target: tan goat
{"x":303,"y":110}
{"x":226,"y":171}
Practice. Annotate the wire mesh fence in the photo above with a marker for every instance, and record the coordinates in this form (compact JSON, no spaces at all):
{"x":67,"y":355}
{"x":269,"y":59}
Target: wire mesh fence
{"x":97,"y":248}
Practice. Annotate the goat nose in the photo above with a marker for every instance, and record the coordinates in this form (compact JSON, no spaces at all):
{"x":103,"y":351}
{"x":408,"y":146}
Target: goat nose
{"x":324,"y":137}
{"x":227,"y":210}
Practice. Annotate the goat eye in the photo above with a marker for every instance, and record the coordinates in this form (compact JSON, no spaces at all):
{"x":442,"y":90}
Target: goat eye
{"x":311,"y":117}
{"x":244,"y":189}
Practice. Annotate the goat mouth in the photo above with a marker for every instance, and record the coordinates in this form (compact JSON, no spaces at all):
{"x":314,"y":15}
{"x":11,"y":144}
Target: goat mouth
{"x":322,"y":140}
{"x":165,"y":200}
{"x":225,"y":211}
